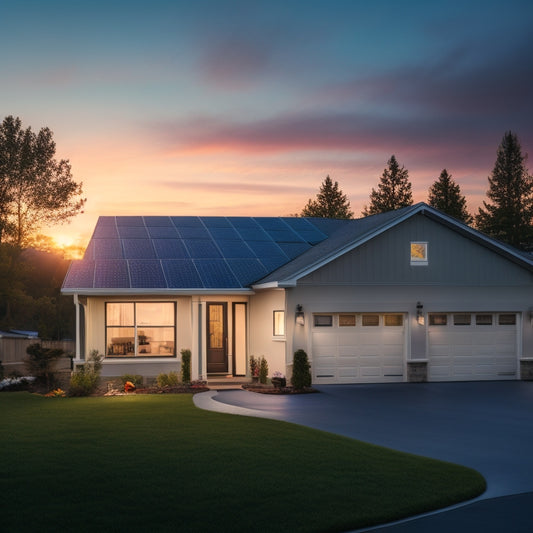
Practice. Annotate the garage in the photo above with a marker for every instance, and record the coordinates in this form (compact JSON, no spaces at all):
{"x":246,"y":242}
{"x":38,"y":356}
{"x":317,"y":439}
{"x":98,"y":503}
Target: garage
{"x":472,"y":346}
{"x":358,"y":347}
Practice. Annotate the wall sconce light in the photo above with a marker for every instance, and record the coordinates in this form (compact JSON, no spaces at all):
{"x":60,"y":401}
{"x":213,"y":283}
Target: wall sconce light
{"x":419,"y":313}
{"x":300,"y":316}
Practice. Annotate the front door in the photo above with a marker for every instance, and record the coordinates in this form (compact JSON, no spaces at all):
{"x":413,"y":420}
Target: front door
{"x":217,"y":336}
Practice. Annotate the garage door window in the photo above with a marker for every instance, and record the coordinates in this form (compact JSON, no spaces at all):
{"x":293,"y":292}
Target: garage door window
{"x":438,"y":319}
{"x":507,"y":319}
{"x":393,"y":320}
{"x":323,"y":321}
{"x":461,"y":319}
{"x":484,"y":320}
{"x":370,"y":320}
{"x":346,"y":321}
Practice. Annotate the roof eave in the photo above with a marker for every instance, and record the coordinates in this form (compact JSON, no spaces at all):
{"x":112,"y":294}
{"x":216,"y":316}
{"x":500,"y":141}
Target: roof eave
{"x":153,"y":292}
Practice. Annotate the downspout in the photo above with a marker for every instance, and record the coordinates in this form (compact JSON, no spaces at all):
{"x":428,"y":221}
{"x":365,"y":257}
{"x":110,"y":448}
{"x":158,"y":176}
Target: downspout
{"x":78,"y":340}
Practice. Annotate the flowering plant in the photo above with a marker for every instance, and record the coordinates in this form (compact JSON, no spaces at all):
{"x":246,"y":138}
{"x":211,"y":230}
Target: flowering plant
{"x":278,"y":374}
{"x":56,"y":393}
{"x":129,"y":386}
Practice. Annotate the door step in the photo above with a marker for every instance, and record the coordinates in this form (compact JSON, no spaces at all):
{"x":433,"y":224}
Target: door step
{"x":225,"y":381}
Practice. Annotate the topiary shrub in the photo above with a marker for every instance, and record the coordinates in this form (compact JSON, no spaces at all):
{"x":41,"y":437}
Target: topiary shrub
{"x":263,"y":370}
{"x":301,"y":371}
{"x":186,"y":366}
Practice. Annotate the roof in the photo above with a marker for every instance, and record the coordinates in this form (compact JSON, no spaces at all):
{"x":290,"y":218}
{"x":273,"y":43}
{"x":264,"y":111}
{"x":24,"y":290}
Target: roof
{"x":182,"y":253}
{"x":232,"y":254}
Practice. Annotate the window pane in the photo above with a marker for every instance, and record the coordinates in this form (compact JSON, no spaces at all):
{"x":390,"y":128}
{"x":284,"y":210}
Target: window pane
{"x":155,"y":314}
{"x":461,"y":319}
{"x":370,"y":320}
{"x":119,"y":314}
{"x":483,"y":320}
{"x":394,"y":320}
{"x":438,"y":319}
{"x":120,"y":342}
{"x":323,"y":320}
{"x":346,"y":320}
{"x":279,"y":323}
{"x":419,"y":253}
{"x":155,"y":341}
{"x":507,"y":319}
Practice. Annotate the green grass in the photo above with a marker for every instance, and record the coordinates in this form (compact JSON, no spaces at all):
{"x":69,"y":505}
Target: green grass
{"x":157,"y":463}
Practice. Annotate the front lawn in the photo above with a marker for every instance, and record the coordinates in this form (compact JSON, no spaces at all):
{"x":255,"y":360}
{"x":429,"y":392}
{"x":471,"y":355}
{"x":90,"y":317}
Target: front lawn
{"x":157,"y":463}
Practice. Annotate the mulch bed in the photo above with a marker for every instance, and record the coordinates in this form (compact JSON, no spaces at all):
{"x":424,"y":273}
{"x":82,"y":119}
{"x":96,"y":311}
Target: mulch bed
{"x":266,"y":389}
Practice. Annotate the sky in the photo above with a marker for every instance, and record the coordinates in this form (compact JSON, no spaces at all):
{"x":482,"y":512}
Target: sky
{"x":226,"y":107}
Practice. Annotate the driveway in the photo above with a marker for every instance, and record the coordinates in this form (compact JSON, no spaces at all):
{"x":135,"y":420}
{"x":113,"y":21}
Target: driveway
{"x":487,"y":426}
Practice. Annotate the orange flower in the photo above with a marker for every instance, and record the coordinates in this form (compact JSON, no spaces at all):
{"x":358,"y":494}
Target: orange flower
{"x":129,"y":386}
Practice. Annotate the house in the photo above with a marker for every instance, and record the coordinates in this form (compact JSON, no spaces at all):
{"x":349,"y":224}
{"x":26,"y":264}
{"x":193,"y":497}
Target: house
{"x":408,"y":295}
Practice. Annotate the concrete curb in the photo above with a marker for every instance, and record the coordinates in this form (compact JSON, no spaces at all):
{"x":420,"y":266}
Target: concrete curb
{"x":207,"y":401}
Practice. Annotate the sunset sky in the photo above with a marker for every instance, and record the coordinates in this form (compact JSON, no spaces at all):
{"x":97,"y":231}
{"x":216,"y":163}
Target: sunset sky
{"x":222,"y":107}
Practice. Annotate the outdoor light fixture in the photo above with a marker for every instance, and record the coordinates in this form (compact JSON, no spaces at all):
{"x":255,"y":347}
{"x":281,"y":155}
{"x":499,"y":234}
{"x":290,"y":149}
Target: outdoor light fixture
{"x":300,"y":317}
{"x":419,"y":313}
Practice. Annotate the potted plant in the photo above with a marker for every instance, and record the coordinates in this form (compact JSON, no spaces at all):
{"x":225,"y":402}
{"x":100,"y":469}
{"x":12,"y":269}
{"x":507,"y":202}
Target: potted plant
{"x":278,"y":380}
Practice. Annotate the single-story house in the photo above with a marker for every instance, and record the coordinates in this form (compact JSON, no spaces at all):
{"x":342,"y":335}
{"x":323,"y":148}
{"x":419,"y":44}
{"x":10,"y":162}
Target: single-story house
{"x":408,"y":295}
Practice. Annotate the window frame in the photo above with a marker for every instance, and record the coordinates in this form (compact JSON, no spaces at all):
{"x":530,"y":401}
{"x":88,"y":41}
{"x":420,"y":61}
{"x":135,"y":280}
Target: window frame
{"x":138,"y":330}
{"x":419,"y":260}
{"x":278,"y":323}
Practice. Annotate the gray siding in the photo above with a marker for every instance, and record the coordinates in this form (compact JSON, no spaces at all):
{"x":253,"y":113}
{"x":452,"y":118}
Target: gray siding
{"x":453,"y":260}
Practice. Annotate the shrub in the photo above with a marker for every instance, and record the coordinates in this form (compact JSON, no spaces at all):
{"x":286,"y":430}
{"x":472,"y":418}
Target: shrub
{"x":84,"y":380}
{"x":172,"y":379}
{"x":263,"y":370}
{"x":41,"y":363}
{"x":136,"y":379}
{"x":301,"y":371}
{"x":186,"y":366}
{"x":254,"y":366}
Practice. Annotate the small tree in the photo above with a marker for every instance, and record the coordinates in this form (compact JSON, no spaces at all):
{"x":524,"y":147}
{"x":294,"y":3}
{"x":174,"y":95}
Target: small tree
{"x":445,"y":195}
{"x":394,"y":190}
{"x":509,"y":216}
{"x":41,"y":363}
{"x":301,"y":371}
{"x":330,"y":202}
{"x":186,"y":366}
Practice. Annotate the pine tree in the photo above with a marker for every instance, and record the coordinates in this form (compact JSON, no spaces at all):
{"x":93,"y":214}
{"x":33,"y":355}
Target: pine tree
{"x":394,"y":190}
{"x":330,"y":202}
{"x":445,"y":195}
{"x":509,"y":216}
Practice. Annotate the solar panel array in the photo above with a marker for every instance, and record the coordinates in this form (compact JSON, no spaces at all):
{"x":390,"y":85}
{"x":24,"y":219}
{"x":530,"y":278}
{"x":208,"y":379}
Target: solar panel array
{"x":190,"y":252}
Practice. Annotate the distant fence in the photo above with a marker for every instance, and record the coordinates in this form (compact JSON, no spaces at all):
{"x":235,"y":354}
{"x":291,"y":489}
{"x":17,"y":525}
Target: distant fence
{"x":13,"y":353}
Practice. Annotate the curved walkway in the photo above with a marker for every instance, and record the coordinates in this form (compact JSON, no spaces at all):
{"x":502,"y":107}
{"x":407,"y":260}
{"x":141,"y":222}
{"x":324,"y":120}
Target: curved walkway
{"x":487,"y":426}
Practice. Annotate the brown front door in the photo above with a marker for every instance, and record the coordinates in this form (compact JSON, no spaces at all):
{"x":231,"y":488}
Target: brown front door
{"x":217,"y":335}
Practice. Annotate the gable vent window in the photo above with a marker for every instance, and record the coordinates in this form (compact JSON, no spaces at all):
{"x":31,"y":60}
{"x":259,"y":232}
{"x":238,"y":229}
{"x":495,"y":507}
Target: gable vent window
{"x":419,"y":253}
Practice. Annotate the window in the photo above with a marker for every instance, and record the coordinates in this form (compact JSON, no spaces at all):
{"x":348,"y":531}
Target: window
{"x":346,"y":320}
{"x":140,"y":329}
{"x":508,"y":319}
{"x":279,"y":323}
{"x":370,"y":320}
{"x":438,"y":319}
{"x":484,"y":320}
{"x":323,"y":321}
{"x":393,"y":320}
{"x":461,"y":319}
{"x":419,"y":253}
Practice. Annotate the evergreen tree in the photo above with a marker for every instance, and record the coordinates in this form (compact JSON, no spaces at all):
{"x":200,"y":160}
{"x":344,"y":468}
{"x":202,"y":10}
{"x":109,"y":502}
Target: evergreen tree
{"x":509,"y":216}
{"x":394,"y":190}
{"x":330,"y":202}
{"x":445,"y":195}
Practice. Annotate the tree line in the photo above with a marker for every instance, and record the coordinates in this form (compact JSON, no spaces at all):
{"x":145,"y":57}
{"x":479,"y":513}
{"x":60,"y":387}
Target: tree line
{"x":507,"y":215}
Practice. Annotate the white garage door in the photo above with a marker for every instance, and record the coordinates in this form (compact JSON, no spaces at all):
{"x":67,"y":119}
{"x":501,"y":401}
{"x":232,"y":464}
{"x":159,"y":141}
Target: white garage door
{"x":472,"y":346}
{"x":358,"y":348}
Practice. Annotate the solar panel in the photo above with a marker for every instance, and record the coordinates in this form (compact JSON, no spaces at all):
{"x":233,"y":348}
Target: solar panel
{"x":312,"y":236}
{"x":215,"y":273}
{"x":186,"y":222}
{"x":146,"y":274}
{"x":284,"y":235}
{"x":216,"y":222}
{"x":226,"y":234}
{"x":202,"y":249}
{"x":132,"y":232}
{"x":254,"y":234}
{"x":271,"y":223}
{"x":111,"y":274}
{"x":198,"y":232}
{"x":294,"y":249}
{"x":235,"y":249}
{"x":247,"y":270}
{"x":272,"y":263}
{"x":138,"y":249}
{"x":162,"y":232}
{"x":80,"y":275}
{"x":170,"y":249}
{"x":158,"y":222}
{"x":242,"y":222}
{"x":105,"y":231}
{"x":107,"y":249}
{"x":89,"y":251}
{"x":267,"y":250}
{"x":181,"y":274}
{"x":130,"y":221}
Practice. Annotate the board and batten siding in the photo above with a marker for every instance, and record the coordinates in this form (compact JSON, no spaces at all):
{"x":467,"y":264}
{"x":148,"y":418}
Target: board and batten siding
{"x":453,"y":260}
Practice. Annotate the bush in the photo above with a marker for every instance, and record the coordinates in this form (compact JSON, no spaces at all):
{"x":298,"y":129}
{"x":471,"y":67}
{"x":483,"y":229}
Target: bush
{"x":301,"y":371}
{"x":136,"y":379}
{"x":84,"y":380}
{"x":186,"y":366}
{"x":263,"y":370}
{"x":172,"y":379}
{"x":41,"y":363}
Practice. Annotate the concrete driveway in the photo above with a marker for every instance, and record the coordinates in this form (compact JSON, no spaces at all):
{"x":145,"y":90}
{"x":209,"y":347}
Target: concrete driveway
{"x":487,"y":426}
